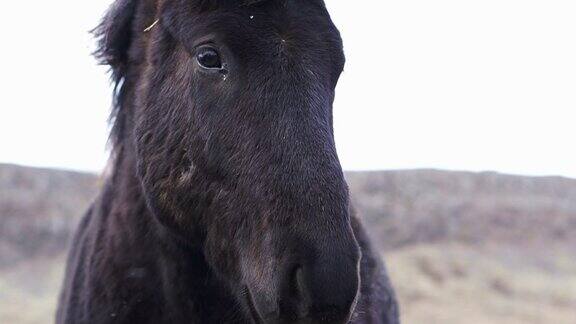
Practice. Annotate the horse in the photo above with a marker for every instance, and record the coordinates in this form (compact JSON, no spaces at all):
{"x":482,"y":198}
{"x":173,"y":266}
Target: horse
{"x":224,"y":199}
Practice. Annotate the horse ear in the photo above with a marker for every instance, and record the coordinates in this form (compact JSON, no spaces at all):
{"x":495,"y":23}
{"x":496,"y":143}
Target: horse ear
{"x":114,"y":36}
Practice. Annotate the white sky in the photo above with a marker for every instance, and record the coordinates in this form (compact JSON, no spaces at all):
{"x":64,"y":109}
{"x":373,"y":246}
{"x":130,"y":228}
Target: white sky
{"x":452,"y":84}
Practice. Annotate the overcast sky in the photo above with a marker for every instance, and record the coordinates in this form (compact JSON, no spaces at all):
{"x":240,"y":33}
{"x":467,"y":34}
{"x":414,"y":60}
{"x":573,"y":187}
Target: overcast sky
{"x":451,"y":84}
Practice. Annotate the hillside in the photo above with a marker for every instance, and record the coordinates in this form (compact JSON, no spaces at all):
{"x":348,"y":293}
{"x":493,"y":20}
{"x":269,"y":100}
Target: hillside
{"x":461,"y":247}
{"x":426,"y":206}
{"x":39,"y":209}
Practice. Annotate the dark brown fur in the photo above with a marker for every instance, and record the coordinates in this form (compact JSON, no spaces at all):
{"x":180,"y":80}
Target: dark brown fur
{"x":226,"y":202}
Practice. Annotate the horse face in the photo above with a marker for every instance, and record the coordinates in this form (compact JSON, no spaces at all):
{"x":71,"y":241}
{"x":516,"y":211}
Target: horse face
{"x":235,"y":146}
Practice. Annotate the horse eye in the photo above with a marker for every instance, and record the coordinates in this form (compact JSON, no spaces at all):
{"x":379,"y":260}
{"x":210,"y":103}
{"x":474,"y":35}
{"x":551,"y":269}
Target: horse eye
{"x":209,"y":58}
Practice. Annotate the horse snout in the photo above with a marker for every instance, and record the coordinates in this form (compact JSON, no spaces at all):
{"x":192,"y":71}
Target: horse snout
{"x":322,"y":291}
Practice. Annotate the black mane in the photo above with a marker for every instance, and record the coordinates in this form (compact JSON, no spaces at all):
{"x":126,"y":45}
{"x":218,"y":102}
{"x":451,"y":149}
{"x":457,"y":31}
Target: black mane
{"x":114,"y":37}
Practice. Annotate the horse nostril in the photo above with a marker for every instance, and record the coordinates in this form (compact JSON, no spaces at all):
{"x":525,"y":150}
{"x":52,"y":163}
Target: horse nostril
{"x":294,"y":300}
{"x":297,"y":281}
{"x":322,"y":292}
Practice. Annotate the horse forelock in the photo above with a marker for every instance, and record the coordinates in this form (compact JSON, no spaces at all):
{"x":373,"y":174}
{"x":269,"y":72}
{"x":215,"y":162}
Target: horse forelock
{"x":234,"y":2}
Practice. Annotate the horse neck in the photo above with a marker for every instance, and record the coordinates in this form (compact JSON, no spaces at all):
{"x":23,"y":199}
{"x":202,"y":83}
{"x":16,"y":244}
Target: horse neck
{"x":129,"y":225}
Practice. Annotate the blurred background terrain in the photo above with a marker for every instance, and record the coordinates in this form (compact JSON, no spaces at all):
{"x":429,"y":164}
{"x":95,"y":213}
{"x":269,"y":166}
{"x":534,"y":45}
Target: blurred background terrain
{"x":482,"y":248}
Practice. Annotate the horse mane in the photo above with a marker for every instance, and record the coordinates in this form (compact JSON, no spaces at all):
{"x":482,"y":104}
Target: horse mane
{"x":114,"y":37}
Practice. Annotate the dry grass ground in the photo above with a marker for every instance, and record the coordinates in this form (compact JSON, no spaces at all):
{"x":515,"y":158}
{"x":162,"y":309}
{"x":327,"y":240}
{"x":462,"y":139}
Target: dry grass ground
{"x":456,"y":284}
{"x":29,"y":291}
